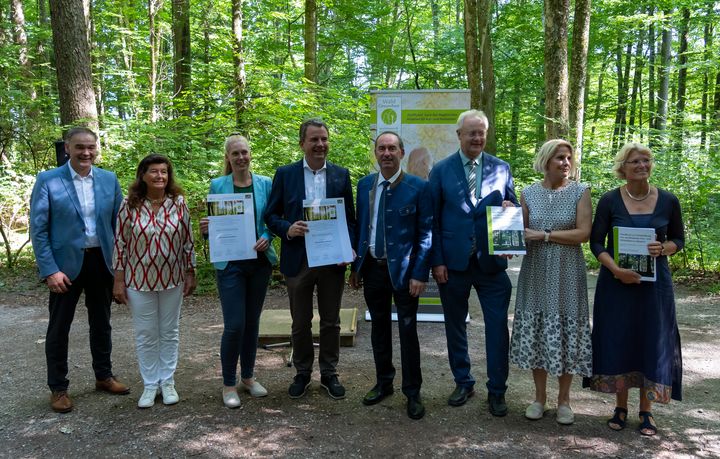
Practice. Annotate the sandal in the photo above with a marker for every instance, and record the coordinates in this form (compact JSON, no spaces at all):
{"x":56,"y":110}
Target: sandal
{"x":619,"y":419}
{"x":647,"y":427}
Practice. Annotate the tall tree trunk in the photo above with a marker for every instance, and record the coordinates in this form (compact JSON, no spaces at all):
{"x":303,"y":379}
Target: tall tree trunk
{"x":664,"y":76}
{"x":652,"y":114}
{"x":435,"y":10}
{"x":72,"y":53}
{"x":515,"y":119}
{"x":19,"y":34}
{"x":311,"y":40}
{"x":472,"y":55}
{"x":556,"y":68}
{"x":708,"y":54}
{"x":682,"y":80}
{"x":182,"y":60}
{"x":637,"y":78}
{"x":488,"y":76}
{"x":623,"y":79}
{"x":715,"y":145}
{"x":600,"y":93}
{"x":578,"y":76}
{"x":153,"y":8}
{"x":238,"y":62}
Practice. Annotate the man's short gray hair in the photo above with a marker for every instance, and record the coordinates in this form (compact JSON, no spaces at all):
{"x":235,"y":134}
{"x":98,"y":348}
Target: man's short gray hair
{"x":472,"y":114}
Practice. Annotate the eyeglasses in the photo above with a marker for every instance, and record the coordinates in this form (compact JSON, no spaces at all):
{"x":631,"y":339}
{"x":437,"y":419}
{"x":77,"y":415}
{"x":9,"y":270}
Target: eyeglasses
{"x":637,"y":162}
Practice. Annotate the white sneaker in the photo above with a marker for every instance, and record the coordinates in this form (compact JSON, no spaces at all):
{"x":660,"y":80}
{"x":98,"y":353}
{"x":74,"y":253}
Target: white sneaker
{"x":256,"y":389}
{"x":169,"y":394}
{"x":231,"y":398}
{"x":535,"y":411}
{"x":565,"y":415}
{"x":147,"y":399}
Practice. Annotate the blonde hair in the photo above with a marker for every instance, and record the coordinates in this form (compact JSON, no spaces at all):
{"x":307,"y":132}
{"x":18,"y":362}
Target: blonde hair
{"x":625,"y":153}
{"x":547,"y":151}
{"x":231,"y":139}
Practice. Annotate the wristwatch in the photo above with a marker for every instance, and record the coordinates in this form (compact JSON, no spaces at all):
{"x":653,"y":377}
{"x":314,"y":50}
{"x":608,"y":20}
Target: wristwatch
{"x":547,"y":235}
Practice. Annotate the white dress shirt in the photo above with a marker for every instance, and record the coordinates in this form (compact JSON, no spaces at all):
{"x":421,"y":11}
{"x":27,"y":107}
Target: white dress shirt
{"x":376,"y":206}
{"x":86,"y":196}
{"x":314,"y":181}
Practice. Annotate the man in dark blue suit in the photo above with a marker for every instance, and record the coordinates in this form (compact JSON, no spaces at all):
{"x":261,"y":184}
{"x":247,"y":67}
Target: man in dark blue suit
{"x":310,"y":178}
{"x":73,"y":209}
{"x":462,"y":186}
{"x":394,"y":237}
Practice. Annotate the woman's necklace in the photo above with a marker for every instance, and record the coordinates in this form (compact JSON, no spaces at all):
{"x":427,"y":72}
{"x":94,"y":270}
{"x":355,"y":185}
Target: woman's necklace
{"x":157,"y":201}
{"x":637,"y":199}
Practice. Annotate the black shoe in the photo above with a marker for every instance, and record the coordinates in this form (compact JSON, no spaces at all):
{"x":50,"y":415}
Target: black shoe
{"x":377,"y":394}
{"x":460,"y":395}
{"x":332,"y":385}
{"x":498,"y":407}
{"x":299,"y":386}
{"x":415,"y":408}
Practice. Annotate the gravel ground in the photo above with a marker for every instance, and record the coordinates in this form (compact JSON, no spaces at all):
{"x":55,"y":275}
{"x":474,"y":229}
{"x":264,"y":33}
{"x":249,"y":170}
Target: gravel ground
{"x":316,"y":426}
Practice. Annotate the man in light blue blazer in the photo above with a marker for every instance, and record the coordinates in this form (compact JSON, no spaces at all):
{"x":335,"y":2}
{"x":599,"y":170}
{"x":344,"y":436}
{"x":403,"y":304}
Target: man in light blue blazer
{"x":463,"y":185}
{"x":394,"y":214}
{"x":73,"y":211}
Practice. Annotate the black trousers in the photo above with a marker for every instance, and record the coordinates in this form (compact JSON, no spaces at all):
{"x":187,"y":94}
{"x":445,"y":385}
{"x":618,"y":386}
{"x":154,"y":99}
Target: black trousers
{"x":379,"y":293}
{"x":96,"y":281}
{"x":330,"y":283}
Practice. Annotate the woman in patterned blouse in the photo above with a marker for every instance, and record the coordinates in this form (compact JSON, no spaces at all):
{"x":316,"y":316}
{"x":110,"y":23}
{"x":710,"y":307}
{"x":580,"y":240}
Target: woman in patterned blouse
{"x":154,"y":262}
{"x":242,"y":283}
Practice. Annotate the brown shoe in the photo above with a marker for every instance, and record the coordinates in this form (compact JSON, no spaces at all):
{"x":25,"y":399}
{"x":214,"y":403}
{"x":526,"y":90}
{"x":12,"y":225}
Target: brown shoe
{"x":113,"y":386}
{"x":60,"y":401}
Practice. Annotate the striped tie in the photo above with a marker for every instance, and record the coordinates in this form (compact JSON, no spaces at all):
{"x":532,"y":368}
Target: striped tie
{"x":472,"y":181}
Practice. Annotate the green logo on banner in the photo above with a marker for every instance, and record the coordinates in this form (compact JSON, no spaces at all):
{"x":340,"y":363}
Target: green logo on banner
{"x":388,"y":116}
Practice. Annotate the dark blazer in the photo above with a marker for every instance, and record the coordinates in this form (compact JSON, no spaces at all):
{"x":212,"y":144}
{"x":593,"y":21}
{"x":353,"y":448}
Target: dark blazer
{"x":57,"y":228}
{"x":408,"y":227}
{"x":456,"y":220}
{"x":285,"y":207}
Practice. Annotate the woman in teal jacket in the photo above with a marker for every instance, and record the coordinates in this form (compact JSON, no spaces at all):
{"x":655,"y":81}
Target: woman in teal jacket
{"x":242,"y":284}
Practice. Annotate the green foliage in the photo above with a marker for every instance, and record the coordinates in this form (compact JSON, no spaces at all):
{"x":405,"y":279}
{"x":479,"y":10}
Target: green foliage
{"x":363,"y":45}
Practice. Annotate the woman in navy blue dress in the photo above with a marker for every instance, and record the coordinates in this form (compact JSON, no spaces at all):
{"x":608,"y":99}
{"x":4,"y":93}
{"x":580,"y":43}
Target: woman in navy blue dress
{"x":636,"y":343}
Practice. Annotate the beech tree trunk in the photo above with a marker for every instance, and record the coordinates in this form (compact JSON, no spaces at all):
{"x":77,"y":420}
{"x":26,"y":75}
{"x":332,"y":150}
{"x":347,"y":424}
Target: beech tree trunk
{"x":488,"y":80}
{"x":637,"y":80}
{"x":682,"y":80}
{"x":311,"y":40}
{"x":707,"y":77}
{"x":472,"y":55}
{"x":19,"y":34}
{"x":652,"y":115}
{"x":556,"y":69}
{"x":578,"y":76}
{"x":664,"y":76}
{"x":72,"y":55}
{"x":182,"y":60}
{"x":238,"y":61}
{"x":153,"y":7}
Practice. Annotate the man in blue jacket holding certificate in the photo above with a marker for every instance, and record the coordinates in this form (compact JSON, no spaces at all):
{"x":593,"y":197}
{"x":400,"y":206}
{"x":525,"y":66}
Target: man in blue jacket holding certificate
{"x":394,"y":215}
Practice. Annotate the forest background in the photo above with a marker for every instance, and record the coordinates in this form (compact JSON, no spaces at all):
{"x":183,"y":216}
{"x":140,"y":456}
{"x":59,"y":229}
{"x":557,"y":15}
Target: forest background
{"x":176,"y":76}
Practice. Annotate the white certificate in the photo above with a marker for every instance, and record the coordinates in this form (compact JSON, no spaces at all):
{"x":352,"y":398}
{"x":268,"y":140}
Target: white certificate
{"x":631,"y":250}
{"x":231,"y":232}
{"x":506,"y":232}
{"x":327,"y":241}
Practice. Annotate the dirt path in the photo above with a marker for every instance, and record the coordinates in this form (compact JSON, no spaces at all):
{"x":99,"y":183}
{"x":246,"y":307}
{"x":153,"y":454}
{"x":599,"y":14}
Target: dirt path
{"x":316,"y":426}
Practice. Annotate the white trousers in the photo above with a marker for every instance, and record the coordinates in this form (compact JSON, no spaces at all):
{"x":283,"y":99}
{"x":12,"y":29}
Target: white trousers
{"x":156,"y":317}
